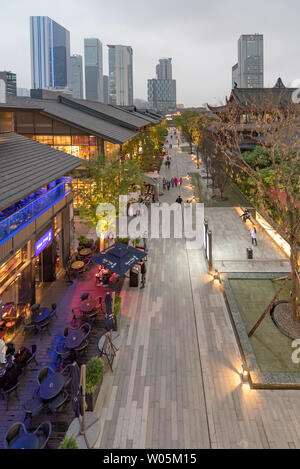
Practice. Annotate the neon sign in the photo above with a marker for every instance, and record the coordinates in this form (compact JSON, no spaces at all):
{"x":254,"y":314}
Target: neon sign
{"x":42,"y":243}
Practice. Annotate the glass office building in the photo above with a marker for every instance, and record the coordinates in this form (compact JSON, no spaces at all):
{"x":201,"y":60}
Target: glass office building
{"x":77,"y":76}
{"x":93,"y":69}
{"x":50,"y":54}
{"x":251,"y":61}
{"x":120,"y":75}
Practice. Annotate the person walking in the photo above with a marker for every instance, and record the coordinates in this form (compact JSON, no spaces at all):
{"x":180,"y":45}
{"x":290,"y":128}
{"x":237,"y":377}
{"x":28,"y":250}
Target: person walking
{"x":164,"y":183}
{"x":143,"y":272}
{"x":179,"y":199}
{"x":180,"y":182}
{"x":176,"y":182}
{"x":172,"y":182}
{"x":168,"y":185}
{"x":253,"y":234}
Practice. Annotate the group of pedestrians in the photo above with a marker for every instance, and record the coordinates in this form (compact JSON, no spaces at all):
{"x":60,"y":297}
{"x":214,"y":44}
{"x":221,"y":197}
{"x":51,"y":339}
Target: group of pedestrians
{"x":174,"y":182}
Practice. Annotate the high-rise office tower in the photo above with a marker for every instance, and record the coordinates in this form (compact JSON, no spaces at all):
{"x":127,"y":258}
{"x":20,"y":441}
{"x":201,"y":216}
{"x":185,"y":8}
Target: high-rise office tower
{"x":93,"y":62}
{"x":50,"y":54}
{"x":10,"y":80}
{"x":105,"y":89}
{"x":251,"y":61}
{"x":164,"y":69}
{"x":162,"y":90}
{"x":235,"y":76}
{"x":77,"y":76}
{"x":120,"y":75}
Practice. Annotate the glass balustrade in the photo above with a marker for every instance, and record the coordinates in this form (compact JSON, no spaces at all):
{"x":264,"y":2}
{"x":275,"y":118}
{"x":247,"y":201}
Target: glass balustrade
{"x":42,"y":201}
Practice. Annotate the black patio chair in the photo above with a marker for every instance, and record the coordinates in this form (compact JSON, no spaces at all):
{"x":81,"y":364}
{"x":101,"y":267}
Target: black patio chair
{"x":35,"y":308}
{"x":41,"y":328}
{"x":13,"y":433}
{"x":82,"y":348}
{"x":53,"y":311}
{"x":43,"y":433}
{"x":32,"y":358}
{"x":6,"y":393}
{"x":66,"y":373}
{"x":57,"y":404}
{"x":33,"y":407}
{"x":43,"y":373}
{"x":86,"y":328}
{"x":28,"y":326}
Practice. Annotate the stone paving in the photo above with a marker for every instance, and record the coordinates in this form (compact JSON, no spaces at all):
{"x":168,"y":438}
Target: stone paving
{"x":177,"y":381}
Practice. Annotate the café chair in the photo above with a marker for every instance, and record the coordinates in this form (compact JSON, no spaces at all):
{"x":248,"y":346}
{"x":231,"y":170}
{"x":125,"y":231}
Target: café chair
{"x":58,"y":403}
{"x":14,"y":433}
{"x":33,"y":407}
{"x":6,"y":393}
{"x":43,"y":433}
{"x":44,"y":372}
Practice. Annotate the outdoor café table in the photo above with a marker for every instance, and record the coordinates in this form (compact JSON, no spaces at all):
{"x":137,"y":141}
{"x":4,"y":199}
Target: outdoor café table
{"x":88,"y":305}
{"x":77,"y":265}
{"x":85,"y":252}
{"x":51,"y":386}
{"x":41,"y":316}
{"x":27,"y":441}
{"x":74,"y":339}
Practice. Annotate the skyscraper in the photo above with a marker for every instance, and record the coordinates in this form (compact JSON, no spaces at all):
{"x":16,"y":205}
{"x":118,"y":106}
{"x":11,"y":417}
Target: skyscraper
{"x":164,"y":69}
{"x":251,"y":61}
{"x":120,"y":75}
{"x":50,"y":54}
{"x":93,"y":62}
{"x":10,"y":80}
{"x":77,"y":76}
{"x":162,"y":90}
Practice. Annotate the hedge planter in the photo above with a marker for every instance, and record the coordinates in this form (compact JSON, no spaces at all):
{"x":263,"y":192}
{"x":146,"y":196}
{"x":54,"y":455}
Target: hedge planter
{"x":117,"y":312}
{"x":94,"y":377}
{"x":91,"y":398}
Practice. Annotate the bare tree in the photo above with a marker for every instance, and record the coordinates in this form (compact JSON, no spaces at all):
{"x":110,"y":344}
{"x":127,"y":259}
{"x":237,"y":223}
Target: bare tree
{"x":272,"y":123}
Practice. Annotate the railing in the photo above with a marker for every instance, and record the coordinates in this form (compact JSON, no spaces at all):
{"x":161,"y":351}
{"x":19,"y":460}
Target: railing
{"x":22,"y":217}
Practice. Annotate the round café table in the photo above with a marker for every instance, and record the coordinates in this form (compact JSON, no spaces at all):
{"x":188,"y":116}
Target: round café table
{"x":77,"y":265}
{"x":51,"y":386}
{"x":27,"y":441}
{"x":85,"y":252}
{"x":41,"y":316}
{"x":74,"y":339}
{"x":88,"y":305}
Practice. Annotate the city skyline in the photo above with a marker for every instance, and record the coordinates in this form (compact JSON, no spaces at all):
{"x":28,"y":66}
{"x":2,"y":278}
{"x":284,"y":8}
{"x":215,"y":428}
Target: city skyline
{"x":194,"y":37}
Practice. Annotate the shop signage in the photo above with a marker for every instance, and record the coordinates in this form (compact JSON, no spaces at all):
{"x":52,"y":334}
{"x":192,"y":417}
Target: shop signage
{"x":42,"y":243}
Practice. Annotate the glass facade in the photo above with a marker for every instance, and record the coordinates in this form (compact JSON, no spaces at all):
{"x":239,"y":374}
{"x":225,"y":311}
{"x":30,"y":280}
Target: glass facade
{"x":251,"y":61}
{"x":19,"y":215}
{"x":84,"y":147}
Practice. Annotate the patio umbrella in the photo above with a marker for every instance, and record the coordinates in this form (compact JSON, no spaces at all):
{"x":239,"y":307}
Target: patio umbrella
{"x":75,"y":390}
{"x":119,"y":258}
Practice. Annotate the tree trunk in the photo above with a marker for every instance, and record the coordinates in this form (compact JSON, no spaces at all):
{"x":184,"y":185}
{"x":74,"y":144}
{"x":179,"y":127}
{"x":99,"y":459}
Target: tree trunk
{"x":295,"y":279}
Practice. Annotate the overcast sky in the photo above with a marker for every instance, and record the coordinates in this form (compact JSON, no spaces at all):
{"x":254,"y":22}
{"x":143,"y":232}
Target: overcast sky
{"x":200,"y":35}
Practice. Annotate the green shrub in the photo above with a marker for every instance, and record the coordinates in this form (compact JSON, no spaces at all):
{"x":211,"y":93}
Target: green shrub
{"x":94,"y":373}
{"x":69,"y":443}
{"x":117,"y":308}
{"x":82,"y":239}
{"x":122,"y":240}
{"x":137,"y":241}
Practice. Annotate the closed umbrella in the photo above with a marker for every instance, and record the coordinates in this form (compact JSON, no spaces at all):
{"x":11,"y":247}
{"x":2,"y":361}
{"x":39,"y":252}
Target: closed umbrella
{"x":109,"y":321}
{"x":75,"y":390}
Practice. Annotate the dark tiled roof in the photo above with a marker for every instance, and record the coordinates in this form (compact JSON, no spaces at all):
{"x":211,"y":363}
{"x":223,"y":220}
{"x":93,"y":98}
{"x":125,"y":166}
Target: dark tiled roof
{"x":263,"y":98}
{"x":26,"y":166}
{"x":79,"y":118}
{"x":114,"y":114}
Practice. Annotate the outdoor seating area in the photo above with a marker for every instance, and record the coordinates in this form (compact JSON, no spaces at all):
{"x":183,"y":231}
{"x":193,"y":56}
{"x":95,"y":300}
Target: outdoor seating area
{"x":35,"y":380}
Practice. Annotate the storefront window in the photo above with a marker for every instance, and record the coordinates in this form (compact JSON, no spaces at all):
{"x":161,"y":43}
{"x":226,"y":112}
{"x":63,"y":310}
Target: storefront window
{"x":82,"y":146}
{"x":111,"y":150}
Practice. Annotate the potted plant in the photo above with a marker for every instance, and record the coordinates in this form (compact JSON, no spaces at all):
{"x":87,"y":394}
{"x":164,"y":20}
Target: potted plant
{"x":123,"y":240}
{"x":69,"y":443}
{"x":94,"y":377}
{"x":85,"y":242}
{"x":117,"y":311}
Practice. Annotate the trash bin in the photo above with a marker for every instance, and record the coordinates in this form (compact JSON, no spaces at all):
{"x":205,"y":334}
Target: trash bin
{"x":249,"y":253}
{"x":134,"y":278}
